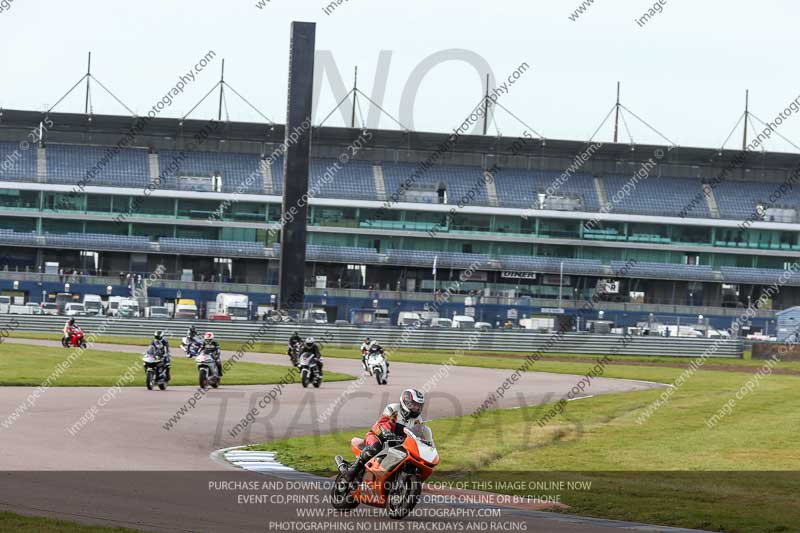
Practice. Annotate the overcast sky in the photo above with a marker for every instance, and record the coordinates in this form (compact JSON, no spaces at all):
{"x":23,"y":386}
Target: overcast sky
{"x":685,"y":71}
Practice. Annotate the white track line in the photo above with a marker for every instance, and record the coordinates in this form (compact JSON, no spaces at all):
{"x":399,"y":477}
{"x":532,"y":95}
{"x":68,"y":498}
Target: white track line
{"x":256,"y":461}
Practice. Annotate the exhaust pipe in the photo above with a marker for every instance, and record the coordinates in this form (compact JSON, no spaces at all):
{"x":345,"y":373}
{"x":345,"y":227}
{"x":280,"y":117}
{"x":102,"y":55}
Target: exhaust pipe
{"x":341,"y":464}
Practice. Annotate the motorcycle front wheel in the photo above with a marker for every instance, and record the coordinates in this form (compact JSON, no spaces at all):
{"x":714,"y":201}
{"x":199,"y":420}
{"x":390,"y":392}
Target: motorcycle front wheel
{"x":304,"y":379}
{"x":203,"y":378}
{"x":150,"y":378}
{"x":379,"y":376}
{"x":403,"y":495}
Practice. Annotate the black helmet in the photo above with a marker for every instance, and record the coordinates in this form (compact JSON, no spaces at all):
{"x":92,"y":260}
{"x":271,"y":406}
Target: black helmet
{"x":71,"y":321}
{"x":158,"y":335}
{"x":411,"y":403}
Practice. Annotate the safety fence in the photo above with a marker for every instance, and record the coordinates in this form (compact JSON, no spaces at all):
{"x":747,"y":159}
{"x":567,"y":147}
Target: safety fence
{"x":475,"y":341}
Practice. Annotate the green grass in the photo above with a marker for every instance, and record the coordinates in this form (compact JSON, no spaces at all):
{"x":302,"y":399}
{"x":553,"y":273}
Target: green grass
{"x":27,"y":524}
{"x":741,"y":476}
{"x":482,"y":359}
{"x":28,"y":365}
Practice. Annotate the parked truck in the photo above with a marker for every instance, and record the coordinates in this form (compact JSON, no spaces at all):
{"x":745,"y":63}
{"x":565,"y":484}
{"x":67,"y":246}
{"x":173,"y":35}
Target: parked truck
{"x":234,"y":306}
{"x":93,"y":304}
{"x":186,"y":308}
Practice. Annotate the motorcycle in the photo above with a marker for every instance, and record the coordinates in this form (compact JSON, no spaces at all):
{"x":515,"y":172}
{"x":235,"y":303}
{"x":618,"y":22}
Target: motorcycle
{"x":75,"y":340}
{"x":376,"y":363}
{"x":191,"y":347}
{"x":294,"y":351}
{"x":207,"y":370}
{"x":309,"y":370}
{"x":393,"y":478}
{"x":155,"y":370}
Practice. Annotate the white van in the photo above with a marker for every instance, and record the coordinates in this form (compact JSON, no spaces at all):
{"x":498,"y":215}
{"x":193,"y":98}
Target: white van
{"x":74,"y":309}
{"x":93,"y":304}
{"x":5,"y":304}
{"x":408,"y":319}
{"x":463,"y":322}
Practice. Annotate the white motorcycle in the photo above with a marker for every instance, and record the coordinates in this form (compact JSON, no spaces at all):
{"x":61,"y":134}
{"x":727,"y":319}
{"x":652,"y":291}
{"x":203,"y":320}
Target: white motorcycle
{"x":377,"y":366}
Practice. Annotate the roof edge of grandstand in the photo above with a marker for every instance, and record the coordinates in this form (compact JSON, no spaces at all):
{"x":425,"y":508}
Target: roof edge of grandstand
{"x":252,"y":137}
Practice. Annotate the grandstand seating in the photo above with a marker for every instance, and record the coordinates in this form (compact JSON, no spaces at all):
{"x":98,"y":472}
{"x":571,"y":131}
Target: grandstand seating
{"x":657,"y":195}
{"x":240,"y":172}
{"x":517,"y":188}
{"x":210,"y":247}
{"x":341,"y":254}
{"x":102,"y":241}
{"x":355,"y":180}
{"x":644,"y":269}
{"x":17,"y":163}
{"x":738,"y":199}
{"x":462,"y":182}
{"x":551,"y":265}
{"x":8,"y":236}
{"x":422,"y":258}
{"x":760,"y":276}
{"x":69,"y":164}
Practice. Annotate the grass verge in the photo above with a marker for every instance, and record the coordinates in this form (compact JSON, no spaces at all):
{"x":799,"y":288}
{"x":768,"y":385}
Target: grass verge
{"x":741,"y":476}
{"x":29,"y":365}
{"x":483,"y":359}
{"x":28,"y":524}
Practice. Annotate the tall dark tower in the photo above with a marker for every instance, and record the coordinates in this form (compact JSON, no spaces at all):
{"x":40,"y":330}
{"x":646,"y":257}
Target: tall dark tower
{"x":296,"y":160}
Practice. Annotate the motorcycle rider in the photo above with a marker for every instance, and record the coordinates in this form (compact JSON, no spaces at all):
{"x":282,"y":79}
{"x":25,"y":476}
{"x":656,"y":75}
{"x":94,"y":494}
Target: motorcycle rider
{"x":374,"y":347}
{"x":212,"y":347}
{"x":405,"y":413}
{"x":294,"y":340}
{"x":192,"y":338}
{"x":310,"y":345}
{"x":161,"y":346}
{"x":364,"y":351}
{"x":69,"y":328}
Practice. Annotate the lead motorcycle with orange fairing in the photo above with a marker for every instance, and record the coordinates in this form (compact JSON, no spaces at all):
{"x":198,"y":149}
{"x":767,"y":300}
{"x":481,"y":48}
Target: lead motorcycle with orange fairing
{"x":393,"y":478}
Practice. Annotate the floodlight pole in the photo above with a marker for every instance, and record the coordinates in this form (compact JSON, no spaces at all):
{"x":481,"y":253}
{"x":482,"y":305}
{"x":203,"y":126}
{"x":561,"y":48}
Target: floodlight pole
{"x":88,"y":78}
{"x":616,"y":116}
{"x":486,"y":107}
{"x":746,"y":117}
{"x":355,"y":95}
{"x":221,"y":89}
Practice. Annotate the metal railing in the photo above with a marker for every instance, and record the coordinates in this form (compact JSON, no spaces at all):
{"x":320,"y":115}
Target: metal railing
{"x":519,"y":341}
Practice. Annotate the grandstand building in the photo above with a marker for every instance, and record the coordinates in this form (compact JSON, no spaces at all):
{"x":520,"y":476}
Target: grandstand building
{"x":657,"y":229}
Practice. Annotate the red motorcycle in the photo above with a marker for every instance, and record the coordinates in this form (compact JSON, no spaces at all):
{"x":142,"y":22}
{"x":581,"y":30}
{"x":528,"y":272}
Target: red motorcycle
{"x":75,"y":339}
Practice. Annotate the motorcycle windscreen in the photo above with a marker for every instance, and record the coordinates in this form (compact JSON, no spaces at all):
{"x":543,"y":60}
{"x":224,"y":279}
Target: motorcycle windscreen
{"x":389,"y":458}
{"x":422,"y":432}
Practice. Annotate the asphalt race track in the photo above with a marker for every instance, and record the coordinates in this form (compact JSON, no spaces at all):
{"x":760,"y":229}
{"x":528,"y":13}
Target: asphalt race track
{"x":125,"y":469}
